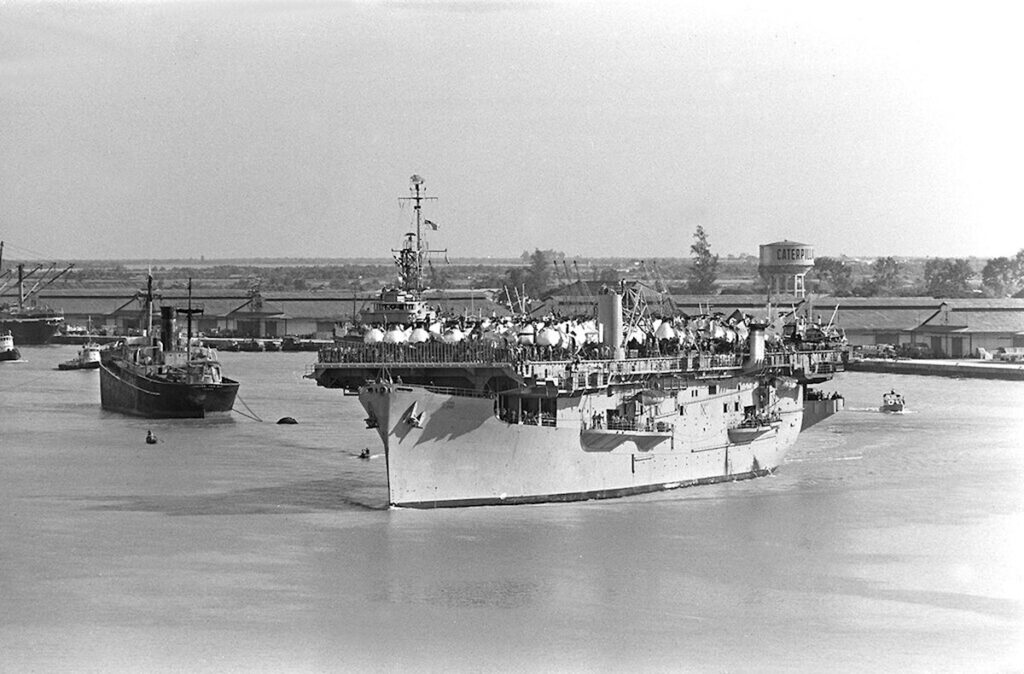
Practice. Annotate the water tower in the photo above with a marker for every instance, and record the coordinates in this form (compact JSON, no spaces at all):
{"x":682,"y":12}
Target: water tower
{"x":783,"y":266}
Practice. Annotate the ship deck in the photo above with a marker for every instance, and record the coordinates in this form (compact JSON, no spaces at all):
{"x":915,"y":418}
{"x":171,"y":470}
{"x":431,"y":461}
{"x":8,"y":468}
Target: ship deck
{"x":480,"y":367}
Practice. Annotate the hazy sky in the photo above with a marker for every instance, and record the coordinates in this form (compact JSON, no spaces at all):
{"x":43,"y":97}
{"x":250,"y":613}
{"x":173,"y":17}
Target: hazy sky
{"x":239,"y":129}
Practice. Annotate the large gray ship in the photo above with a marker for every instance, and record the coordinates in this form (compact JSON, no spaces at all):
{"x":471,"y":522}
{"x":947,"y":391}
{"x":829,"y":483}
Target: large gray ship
{"x":528,"y":410}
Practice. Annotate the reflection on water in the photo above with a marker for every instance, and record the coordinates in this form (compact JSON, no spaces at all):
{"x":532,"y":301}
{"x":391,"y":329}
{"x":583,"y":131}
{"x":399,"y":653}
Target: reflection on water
{"x":885,"y":542}
{"x":290,"y":498}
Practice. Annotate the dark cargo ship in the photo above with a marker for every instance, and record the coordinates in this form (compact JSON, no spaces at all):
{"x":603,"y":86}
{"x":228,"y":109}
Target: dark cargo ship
{"x":164,"y":378}
{"x":27,"y":321}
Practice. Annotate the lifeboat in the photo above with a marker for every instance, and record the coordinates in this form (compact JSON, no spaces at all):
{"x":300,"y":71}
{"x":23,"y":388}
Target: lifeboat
{"x":373,"y":336}
{"x":750,"y":431}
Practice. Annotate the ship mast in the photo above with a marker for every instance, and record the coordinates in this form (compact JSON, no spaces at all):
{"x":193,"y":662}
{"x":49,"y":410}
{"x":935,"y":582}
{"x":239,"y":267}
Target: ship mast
{"x":410,"y":258}
{"x":149,"y":306}
{"x":188,"y":313}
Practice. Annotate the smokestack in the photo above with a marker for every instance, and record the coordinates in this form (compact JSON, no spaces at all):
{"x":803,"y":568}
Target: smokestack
{"x":755,"y":346}
{"x":167,"y":326}
{"x":609,"y":317}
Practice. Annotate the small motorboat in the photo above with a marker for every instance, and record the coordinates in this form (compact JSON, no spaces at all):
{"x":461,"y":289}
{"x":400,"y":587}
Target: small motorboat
{"x":892,"y":402}
{"x":752,"y":429}
{"x":88,"y":358}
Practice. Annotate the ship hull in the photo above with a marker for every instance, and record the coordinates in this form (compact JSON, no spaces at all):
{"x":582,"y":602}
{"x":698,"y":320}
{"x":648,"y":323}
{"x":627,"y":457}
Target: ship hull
{"x":79,"y":365}
{"x":31,"y":330}
{"x":816,"y":411}
{"x":449,"y":451}
{"x":127,"y":392}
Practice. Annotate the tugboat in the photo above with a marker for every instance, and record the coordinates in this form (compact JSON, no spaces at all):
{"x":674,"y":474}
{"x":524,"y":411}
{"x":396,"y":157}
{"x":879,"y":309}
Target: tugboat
{"x":164,"y":378}
{"x":88,"y":358}
{"x":892,"y":402}
{"x":7,"y":349}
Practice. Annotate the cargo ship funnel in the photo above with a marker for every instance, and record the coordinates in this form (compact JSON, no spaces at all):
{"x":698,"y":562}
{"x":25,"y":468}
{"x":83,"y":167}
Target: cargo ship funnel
{"x":167,"y":326}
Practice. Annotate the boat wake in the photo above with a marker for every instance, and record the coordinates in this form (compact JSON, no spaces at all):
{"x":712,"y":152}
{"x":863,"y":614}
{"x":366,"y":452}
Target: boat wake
{"x":829,"y":459}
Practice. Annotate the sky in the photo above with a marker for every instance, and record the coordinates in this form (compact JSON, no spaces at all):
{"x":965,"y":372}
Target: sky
{"x":238,"y":129}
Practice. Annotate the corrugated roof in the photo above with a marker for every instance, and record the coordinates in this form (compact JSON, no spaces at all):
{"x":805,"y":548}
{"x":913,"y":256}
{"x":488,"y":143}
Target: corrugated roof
{"x":976,"y":320}
{"x":322,"y":310}
{"x":880,"y":319}
{"x":867,"y":313}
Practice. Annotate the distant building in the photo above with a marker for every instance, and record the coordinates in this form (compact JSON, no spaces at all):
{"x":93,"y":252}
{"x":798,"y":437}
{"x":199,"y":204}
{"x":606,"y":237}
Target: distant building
{"x":955,"y":327}
{"x":959,"y":331}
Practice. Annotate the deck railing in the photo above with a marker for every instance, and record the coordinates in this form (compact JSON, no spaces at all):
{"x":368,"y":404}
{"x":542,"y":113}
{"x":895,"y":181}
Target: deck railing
{"x":567,"y":370}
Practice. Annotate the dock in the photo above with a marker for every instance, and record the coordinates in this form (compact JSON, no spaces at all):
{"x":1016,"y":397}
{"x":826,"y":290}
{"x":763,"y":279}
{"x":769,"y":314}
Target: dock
{"x":966,"y":368}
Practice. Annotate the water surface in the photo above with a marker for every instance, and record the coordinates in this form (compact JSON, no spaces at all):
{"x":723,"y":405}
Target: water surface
{"x":885,"y":541}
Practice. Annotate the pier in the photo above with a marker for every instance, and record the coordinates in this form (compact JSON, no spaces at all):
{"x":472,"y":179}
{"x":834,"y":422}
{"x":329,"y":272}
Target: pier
{"x":974,"y":369}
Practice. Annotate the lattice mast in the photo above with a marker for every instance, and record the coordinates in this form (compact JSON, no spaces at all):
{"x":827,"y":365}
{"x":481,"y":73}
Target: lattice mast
{"x":411,"y":258}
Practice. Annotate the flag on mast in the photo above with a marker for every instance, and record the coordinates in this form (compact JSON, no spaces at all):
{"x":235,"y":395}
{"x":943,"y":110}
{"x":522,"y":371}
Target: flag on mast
{"x":430,"y":224}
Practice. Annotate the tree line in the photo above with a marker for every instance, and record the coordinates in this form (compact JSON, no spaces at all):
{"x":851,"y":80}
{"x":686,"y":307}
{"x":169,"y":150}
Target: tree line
{"x":543,"y":270}
{"x":841,"y":277}
{"x":940,"y":277}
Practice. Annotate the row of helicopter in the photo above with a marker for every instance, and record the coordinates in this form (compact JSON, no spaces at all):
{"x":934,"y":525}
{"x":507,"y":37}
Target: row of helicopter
{"x":576,"y":333}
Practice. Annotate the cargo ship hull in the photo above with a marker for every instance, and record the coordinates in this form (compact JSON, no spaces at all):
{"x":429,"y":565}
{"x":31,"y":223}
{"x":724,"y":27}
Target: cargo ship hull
{"x":446,"y":450}
{"x":30,"y":330}
{"x":127,"y":392}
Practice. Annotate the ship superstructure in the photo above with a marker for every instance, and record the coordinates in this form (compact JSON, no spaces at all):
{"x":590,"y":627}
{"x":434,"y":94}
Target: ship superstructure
{"x":403,"y":304}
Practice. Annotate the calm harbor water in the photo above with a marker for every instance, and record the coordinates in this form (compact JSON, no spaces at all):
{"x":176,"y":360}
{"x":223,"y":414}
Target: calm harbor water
{"x":886,"y":542}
